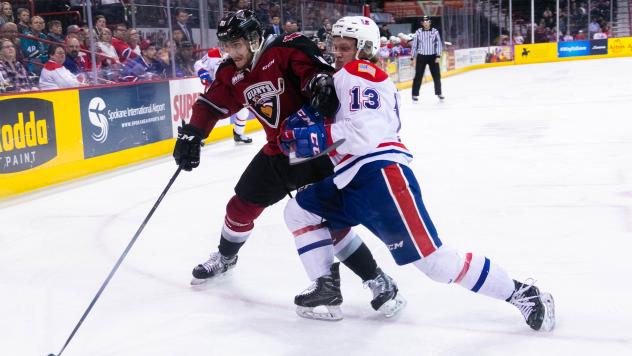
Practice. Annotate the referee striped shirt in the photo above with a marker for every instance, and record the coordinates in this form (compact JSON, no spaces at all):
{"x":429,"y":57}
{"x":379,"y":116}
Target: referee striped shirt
{"x":427,"y":42}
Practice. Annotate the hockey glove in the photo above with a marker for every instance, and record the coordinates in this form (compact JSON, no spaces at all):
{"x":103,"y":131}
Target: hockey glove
{"x":304,"y":117}
{"x":305,"y":141}
{"x":323,"y":94}
{"x":187,"y":149}
{"x":205,"y":76}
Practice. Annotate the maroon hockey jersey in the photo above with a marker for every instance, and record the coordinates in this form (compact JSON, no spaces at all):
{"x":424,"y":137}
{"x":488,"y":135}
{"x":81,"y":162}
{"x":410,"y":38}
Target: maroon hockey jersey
{"x":273,"y":88}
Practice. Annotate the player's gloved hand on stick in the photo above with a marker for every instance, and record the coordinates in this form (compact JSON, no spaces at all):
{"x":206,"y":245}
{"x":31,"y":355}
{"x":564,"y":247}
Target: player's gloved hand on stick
{"x":187,"y":149}
{"x":303,"y":133}
{"x":323,"y":94}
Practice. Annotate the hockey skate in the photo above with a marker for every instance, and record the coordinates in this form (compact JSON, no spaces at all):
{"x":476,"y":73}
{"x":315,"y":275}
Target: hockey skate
{"x":538,"y":309}
{"x":241,"y":138}
{"x":217,"y":264}
{"x":386,"y":298}
{"x":323,"y":293}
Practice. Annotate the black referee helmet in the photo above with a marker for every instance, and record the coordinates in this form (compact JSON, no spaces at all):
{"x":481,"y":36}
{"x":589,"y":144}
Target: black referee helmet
{"x":425,"y":18}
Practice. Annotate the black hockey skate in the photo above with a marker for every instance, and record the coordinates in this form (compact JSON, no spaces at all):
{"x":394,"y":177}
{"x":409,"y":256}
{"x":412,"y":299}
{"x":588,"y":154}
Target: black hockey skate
{"x":538,"y":309}
{"x":241,"y":138}
{"x":324,"y":292}
{"x":217,"y":264}
{"x":386,"y":298}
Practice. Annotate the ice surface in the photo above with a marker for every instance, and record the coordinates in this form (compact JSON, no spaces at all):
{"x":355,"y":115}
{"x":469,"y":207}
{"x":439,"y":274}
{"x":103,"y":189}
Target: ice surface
{"x":530,"y":165}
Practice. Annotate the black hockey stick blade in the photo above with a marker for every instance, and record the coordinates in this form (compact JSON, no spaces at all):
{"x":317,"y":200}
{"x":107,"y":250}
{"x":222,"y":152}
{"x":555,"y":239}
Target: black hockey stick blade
{"x":298,"y":160}
{"x":120,"y":260}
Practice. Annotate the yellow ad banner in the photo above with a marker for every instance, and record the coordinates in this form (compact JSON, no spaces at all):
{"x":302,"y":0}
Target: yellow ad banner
{"x":39,"y":131}
{"x":535,"y":53}
{"x":620,"y":47}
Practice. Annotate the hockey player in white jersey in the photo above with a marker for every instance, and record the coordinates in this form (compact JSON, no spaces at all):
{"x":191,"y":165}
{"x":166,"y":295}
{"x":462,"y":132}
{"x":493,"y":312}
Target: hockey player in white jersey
{"x":373,"y":186}
{"x":205,"y":68}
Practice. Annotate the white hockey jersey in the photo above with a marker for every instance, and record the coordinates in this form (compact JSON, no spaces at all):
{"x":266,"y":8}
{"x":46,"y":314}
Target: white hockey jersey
{"x":368,"y":120}
{"x":209,"y":64}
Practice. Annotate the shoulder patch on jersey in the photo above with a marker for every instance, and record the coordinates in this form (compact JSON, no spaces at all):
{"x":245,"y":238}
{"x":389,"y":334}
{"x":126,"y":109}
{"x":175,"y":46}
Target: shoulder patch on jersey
{"x":366,"y":70}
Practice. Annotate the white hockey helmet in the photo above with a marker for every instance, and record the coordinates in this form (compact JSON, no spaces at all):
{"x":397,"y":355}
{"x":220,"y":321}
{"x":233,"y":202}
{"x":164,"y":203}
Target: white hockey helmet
{"x":363,"y":29}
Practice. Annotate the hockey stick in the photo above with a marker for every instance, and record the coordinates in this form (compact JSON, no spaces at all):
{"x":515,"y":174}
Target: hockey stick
{"x":120,"y":260}
{"x":298,"y":160}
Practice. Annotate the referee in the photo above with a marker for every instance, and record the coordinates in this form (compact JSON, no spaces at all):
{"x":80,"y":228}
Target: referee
{"x":426,"y":49}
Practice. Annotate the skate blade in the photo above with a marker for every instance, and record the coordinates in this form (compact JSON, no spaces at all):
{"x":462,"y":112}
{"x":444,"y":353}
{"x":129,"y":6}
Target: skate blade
{"x":197,"y":282}
{"x":549,"y":312}
{"x":393,"y":306}
{"x":200,"y":281}
{"x":334,"y":313}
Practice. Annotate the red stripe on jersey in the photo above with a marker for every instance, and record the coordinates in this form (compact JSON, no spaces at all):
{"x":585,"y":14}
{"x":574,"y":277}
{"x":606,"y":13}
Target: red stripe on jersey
{"x":381,"y":145}
{"x":408,"y":209}
{"x":355,"y":68}
{"x":466,"y":267}
{"x":307,"y":229}
{"x":398,"y":144}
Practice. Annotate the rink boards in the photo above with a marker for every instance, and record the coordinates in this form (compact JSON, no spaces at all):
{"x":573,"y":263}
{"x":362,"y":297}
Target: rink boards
{"x":54,"y":136}
{"x":50,"y":137}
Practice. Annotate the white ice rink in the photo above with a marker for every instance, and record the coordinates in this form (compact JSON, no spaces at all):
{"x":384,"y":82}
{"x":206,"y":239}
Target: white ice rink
{"x":529,"y":165}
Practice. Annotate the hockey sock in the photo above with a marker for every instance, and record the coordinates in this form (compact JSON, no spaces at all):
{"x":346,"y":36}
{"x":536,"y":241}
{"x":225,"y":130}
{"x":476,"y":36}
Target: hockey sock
{"x":313,"y":241}
{"x":240,"y":121}
{"x":362,"y":263}
{"x":482,"y":276}
{"x":474,"y":272}
{"x":229,"y":249}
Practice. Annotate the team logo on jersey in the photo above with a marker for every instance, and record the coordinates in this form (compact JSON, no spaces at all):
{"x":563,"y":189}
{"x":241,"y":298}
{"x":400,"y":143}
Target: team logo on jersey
{"x":292,"y":36}
{"x":264,"y":99}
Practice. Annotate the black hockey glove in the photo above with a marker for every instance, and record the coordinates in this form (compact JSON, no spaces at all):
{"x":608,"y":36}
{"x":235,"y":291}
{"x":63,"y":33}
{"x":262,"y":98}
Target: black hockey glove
{"x":323,"y":94}
{"x":187,"y":150}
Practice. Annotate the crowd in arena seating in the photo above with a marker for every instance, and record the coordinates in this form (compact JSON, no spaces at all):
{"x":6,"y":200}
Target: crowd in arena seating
{"x":42,"y":54}
{"x":574,"y":22}
{"x":53,"y":52}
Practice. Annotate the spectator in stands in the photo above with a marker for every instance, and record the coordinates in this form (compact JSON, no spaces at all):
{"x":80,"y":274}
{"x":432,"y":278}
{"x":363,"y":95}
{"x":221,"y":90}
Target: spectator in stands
{"x":79,"y":33}
{"x":185,"y":60}
{"x":119,"y":41}
{"x":9,"y":31}
{"x":76,"y":61}
{"x":593,"y":27}
{"x":518,"y":38}
{"x":6,"y":13}
{"x":290,"y":27}
{"x":568,"y":37}
{"x":104,"y":45}
{"x":600,"y":35}
{"x":262,"y":12}
{"x":99,"y":24}
{"x":113,"y":10}
{"x":275,"y":27}
{"x":324,"y":30}
{"x":177,"y":36}
{"x":133,"y":41}
{"x":182,"y":17}
{"x":147,"y":63}
{"x":35,"y":51}
{"x":581,"y":35}
{"x":384,"y":31}
{"x":55,"y":32}
{"x":24,"y":20}
{"x":13,"y":75}
{"x":55,"y":75}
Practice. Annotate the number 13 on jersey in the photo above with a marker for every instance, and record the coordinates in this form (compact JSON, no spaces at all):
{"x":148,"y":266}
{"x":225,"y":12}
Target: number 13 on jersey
{"x":367,"y":98}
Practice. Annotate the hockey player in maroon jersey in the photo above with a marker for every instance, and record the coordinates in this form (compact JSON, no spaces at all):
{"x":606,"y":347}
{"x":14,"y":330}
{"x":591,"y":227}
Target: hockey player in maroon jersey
{"x":274,"y":77}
